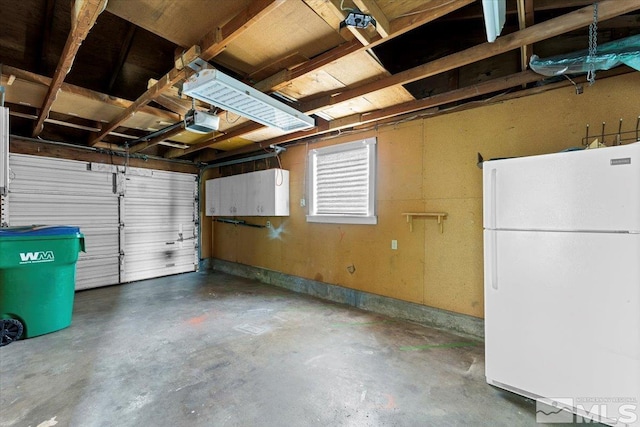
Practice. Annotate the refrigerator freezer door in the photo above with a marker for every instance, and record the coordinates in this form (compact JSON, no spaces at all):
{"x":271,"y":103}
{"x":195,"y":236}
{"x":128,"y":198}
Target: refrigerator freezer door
{"x":562,"y":314}
{"x":588,"y":190}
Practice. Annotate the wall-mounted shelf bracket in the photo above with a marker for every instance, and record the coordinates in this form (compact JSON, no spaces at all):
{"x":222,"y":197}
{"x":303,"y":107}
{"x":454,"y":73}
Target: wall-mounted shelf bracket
{"x":439,"y":215}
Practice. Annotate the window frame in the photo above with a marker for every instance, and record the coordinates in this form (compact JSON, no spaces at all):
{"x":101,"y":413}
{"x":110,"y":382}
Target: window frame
{"x":370,"y":218}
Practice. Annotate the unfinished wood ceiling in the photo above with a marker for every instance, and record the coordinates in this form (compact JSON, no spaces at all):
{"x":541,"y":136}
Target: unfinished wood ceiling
{"x":103,"y":73}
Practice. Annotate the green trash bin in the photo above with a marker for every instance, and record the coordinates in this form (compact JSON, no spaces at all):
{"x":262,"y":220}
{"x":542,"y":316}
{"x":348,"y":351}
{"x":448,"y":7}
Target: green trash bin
{"x":37,"y":279}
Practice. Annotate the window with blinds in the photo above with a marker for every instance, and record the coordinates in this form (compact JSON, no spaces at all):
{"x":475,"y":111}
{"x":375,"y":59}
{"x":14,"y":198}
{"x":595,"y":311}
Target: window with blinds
{"x":342,"y":183}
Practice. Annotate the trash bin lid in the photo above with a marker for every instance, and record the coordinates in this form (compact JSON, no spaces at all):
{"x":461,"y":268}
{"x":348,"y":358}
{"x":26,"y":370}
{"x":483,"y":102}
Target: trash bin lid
{"x":39,"y":230}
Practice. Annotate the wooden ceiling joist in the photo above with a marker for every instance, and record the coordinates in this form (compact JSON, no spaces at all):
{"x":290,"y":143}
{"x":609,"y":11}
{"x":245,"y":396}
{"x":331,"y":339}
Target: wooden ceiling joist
{"x":235,"y":132}
{"x":84,"y":16}
{"x":553,"y":27}
{"x":282,"y":78}
{"x":155,"y":141}
{"x":152,"y":93}
{"x":398,"y":26}
{"x":545,"y":30}
{"x":16,"y":73}
{"x":212,"y":44}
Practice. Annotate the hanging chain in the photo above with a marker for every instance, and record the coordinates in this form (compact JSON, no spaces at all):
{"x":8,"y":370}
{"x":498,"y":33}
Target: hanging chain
{"x":593,"y":46}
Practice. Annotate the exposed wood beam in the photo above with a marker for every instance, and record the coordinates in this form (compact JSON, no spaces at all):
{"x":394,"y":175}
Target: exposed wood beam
{"x":84,"y":16}
{"x":171,"y":100}
{"x":122,"y":57}
{"x":235,"y":132}
{"x":212,"y":44}
{"x":151,"y":94}
{"x":282,"y":78}
{"x":545,"y":30}
{"x":525,"y":19}
{"x":372,"y":8}
{"x":399,"y":26}
{"x":155,"y":141}
{"x":321,"y":127}
{"x":71,"y":125}
{"x":9,"y":72}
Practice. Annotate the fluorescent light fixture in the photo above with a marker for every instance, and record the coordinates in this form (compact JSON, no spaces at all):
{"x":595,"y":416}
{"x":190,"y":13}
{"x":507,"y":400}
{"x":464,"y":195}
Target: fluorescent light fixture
{"x":225,"y":92}
{"x":495,"y":14}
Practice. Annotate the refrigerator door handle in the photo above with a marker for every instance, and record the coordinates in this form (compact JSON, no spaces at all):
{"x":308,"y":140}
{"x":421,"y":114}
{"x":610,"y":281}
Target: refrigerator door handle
{"x":493,"y":242}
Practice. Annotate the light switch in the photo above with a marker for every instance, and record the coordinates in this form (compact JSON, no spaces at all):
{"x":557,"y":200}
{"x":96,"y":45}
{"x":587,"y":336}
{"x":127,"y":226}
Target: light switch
{"x":394,"y":245}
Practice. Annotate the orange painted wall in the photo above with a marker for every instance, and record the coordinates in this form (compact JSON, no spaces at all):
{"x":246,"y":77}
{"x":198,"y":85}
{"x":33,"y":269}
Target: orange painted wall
{"x":427,"y":164}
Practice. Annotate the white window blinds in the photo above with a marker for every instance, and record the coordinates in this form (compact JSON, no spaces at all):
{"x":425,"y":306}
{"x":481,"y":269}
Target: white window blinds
{"x":342,"y":182}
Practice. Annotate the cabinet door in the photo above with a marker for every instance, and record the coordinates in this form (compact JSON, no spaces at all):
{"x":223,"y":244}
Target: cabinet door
{"x":262,"y":193}
{"x":280,"y":198}
{"x":212,"y":197}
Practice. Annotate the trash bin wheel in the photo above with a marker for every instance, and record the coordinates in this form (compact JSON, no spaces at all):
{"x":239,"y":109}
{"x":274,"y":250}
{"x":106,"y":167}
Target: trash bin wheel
{"x":10,"y":331}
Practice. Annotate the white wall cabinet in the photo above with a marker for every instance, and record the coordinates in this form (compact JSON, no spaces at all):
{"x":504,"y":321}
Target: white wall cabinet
{"x":262,"y":193}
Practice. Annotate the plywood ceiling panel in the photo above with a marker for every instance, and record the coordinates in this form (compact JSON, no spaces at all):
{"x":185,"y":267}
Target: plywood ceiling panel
{"x":264,"y":133}
{"x":183,"y":22}
{"x":354,"y":69}
{"x":291,"y":28}
{"x":373,"y":101}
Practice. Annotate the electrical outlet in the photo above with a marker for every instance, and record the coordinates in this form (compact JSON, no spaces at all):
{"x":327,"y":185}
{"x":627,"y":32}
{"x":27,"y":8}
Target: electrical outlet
{"x":394,"y":245}
{"x":268,"y":224}
{"x":303,"y":203}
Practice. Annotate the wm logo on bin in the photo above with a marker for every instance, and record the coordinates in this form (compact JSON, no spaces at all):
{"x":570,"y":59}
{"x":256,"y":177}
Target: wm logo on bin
{"x":36,"y":257}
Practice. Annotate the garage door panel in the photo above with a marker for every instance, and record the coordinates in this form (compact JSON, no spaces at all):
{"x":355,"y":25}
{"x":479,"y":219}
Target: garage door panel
{"x":41,"y":175}
{"x":160,"y":224}
{"x":45,"y":191}
{"x":95,"y":272}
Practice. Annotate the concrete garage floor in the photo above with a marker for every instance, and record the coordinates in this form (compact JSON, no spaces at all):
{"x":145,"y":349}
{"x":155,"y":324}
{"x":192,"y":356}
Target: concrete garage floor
{"x":209,"y":349}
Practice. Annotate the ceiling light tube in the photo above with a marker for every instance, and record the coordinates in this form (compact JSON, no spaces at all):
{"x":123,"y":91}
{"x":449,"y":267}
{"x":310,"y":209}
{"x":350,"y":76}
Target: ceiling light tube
{"x":218,"y":89}
{"x":495,"y":14}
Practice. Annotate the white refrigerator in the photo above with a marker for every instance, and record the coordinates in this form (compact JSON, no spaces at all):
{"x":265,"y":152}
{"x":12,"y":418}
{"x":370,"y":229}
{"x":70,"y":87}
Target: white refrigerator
{"x":562,"y":281}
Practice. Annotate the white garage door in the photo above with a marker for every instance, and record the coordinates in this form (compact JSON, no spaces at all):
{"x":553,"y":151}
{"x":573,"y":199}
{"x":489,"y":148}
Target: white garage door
{"x":138,"y":223}
{"x":160,"y":224}
{"x":47,"y":191}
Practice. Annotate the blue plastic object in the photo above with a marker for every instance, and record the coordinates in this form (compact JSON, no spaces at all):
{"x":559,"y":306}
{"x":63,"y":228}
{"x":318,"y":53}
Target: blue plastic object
{"x":609,"y":55}
{"x":39,"y":230}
